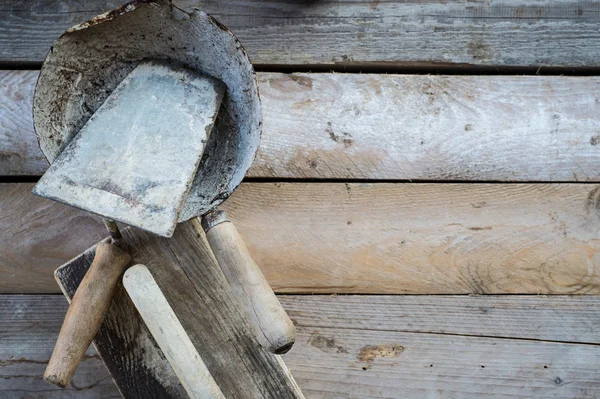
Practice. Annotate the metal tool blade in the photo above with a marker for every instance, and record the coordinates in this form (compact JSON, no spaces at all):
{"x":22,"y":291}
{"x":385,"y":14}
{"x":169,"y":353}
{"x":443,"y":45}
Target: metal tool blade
{"x":135,"y":159}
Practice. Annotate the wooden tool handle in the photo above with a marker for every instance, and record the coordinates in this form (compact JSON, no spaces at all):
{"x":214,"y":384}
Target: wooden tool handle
{"x":169,"y":334}
{"x":86,"y":313}
{"x":274,"y":329}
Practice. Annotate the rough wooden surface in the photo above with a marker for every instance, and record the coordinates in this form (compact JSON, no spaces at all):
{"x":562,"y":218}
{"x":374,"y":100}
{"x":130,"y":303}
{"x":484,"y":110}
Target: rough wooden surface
{"x":411,"y":33}
{"x":191,"y":280}
{"x":344,"y":359}
{"x":38,"y":235}
{"x":381,"y":364}
{"x":573,"y":319}
{"x":29,"y":327}
{"x":422,"y":238}
{"x":509,"y":128}
{"x":20,"y":153}
{"x":360,"y":238}
{"x":413,"y":127}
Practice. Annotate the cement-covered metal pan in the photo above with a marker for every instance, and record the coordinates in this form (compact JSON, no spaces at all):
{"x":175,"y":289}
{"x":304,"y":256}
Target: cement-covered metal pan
{"x":89,"y":60}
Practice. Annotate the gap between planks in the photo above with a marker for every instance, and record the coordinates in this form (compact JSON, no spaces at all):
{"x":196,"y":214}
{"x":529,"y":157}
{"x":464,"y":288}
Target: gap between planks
{"x":389,"y":128}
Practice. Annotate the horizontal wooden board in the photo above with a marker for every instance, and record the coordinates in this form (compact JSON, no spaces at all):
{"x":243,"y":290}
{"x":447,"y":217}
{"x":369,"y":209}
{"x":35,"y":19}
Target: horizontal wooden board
{"x":29,"y":327}
{"x":38,"y":235}
{"x":349,"y":362}
{"x":338,"y":363}
{"x":423,"y":238}
{"x":391,"y":33}
{"x":398,"y":127}
{"x":573,"y":319}
{"x":403,"y":127}
{"x":360,"y":238}
{"x":20,"y":152}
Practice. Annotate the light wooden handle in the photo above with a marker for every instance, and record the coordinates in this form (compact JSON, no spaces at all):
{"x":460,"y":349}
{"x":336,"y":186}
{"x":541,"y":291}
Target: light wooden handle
{"x":169,"y":334}
{"x":274,"y":329}
{"x":86,"y":313}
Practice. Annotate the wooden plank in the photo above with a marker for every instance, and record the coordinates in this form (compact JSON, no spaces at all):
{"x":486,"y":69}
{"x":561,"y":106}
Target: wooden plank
{"x":20,"y":152}
{"x":399,"y":127}
{"x":29,"y":327}
{"x":407,"y":127}
{"x":574,"y":319}
{"x":38,"y":235}
{"x":335,"y":361}
{"x":422,"y":238}
{"x":360,"y":238}
{"x":381,"y":364}
{"x":390,"y":33}
{"x":191,"y":280}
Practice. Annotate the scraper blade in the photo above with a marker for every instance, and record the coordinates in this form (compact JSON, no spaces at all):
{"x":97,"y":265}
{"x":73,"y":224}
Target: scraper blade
{"x":135,"y":159}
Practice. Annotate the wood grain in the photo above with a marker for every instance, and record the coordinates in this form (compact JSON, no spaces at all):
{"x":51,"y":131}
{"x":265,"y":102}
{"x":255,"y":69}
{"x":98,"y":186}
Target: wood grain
{"x":398,"y":127}
{"x":38,"y":235}
{"x":382,"y":364}
{"x":573,"y":319}
{"x":360,"y":238}
{"x":190,"y":278}
{"x":390,"y":33}
{"x":329,"y":358}
{"x":29,"y":327}
{"x":422,"y":238}
{"x":20,"y":152}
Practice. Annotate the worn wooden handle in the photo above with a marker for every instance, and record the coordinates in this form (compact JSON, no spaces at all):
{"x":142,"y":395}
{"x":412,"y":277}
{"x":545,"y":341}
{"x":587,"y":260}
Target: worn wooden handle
{"x":86,"y":313}
{"x":274,"y":329}
{"x":169,"y":334}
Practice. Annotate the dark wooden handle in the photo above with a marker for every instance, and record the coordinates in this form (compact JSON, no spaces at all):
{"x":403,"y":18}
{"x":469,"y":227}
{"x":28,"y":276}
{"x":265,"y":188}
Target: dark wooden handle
{"x":86,"y":313}
{"x":274,"y":329}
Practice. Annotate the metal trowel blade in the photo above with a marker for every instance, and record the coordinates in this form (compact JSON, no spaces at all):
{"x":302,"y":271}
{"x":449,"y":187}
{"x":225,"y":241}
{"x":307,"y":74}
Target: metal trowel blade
{"x":135,"y":159}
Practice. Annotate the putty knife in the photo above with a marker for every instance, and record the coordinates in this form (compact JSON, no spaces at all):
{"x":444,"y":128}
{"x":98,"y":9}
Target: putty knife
{"x":135,"y":159}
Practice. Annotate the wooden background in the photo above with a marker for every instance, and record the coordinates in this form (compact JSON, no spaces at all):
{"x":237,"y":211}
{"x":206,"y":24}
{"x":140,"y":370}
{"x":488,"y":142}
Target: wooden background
{"x":447,"y":148}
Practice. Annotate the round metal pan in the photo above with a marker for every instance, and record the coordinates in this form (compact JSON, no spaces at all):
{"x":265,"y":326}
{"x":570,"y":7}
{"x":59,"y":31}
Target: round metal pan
{"x":89,"y":60}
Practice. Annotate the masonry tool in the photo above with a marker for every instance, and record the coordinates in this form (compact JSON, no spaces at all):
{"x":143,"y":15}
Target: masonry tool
{"x":151,"y":127}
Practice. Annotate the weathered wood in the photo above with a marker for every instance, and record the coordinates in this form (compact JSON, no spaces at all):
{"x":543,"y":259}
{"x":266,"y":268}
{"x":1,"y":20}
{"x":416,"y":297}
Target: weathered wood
{"x":361,"y":238}
{"x":400,"y":127}
{"x":422,"y":238}
{"x":29,"y":327}
{"x":86,"y":313}
{"x":38,"y":235}
{"x":381,"y":364}
{"x":191,"y":280}
{"x":412,"y":33}
{"x":328,"y":360}
{"x":20,"y":152}
{"x":272,"y":326}
{"x":407,"y":127}
{"x":169,"y":334}
{"x":573,"y":319}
